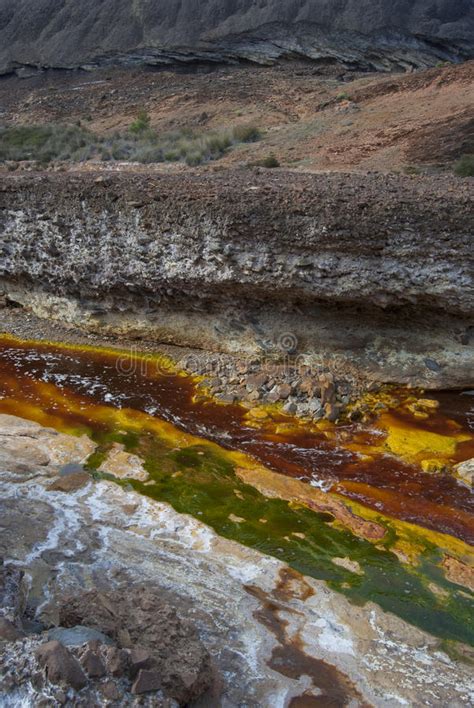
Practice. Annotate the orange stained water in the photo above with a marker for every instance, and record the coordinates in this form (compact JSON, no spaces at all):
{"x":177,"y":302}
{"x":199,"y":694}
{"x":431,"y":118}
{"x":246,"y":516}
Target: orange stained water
{"x":61,"y":386}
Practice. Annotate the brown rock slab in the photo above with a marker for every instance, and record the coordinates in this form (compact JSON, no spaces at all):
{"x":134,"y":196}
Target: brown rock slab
{"x":93,"y":664}
{"x":284,"y":391}
{"x":307,"y":386}
{"x":146,"y":681}
{"x":332,"y":411}
{"x":8,"y":631}
{"x":70,"y":483}
{"x":110,"y":691}
{"x":328,"y":388}
{"x":117,"y":661}
{"x":152,"y":630}
{"x":61,"y":667}
{"x":256,"y":381}
{"x":139,"y":659}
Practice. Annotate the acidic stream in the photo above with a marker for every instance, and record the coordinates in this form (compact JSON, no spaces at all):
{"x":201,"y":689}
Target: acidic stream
{"x":349,"y":503}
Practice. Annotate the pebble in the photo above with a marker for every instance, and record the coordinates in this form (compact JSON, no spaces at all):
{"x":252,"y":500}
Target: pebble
{"x":258,"y":413}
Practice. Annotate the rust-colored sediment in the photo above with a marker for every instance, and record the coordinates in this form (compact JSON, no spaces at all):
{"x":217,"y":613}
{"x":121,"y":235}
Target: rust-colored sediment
{"x":331,"y":687}
{"x":51,"y":383}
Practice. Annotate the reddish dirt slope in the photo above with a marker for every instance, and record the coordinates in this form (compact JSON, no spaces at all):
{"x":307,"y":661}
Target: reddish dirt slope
{"x":314,"y":118}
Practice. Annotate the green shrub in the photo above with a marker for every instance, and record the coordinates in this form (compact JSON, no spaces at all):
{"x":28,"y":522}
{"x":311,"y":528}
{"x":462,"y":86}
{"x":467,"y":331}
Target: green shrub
{"x":44,"y":143}
{"x":141,"y":124}
{"x":270,"y":162}
{"x":411,"y":170}
{"x":343,"y":97}
{"x":148,"y":155}
{"x":465,"y":166}
{"x":246,"y":134}
{"x":184,"y":147}
{"x":216,"y":145}
{"x":171,"y":156}
{"x":193,"y":159}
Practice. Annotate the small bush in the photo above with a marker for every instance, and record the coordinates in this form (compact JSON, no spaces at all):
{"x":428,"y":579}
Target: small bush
{"x":193,"y":159}
{"x":141,"y":124}
{"x":216,"y":145}
{"x":246,"y":134}
{"x":148,"y":155}
{"x":43,"y":142}
{"x":411,"y":170}
{"x":465,"y":166}
{"x":171,"y":156}
{"x":343,"y":97}
{"x":270,"y":162}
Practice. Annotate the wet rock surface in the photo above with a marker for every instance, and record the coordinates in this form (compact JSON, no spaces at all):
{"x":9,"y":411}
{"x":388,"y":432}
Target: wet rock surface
{"x":122,"y":465}
{"x":153,"y":581}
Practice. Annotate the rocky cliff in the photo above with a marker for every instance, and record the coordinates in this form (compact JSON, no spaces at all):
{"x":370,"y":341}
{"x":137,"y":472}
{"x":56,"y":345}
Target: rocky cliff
{"x":370,"y":268}
{"x":371,"y":34}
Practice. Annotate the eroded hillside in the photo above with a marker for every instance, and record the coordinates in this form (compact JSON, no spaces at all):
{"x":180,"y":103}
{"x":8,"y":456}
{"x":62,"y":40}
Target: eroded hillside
{"x":310,"y":117}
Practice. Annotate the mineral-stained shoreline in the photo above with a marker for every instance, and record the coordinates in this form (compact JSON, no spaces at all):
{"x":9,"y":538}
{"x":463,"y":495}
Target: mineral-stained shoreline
{"x":271,"y":633}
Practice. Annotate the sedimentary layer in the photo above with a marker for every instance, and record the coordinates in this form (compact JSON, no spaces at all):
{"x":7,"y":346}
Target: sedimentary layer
{"x":378,"y":34}
{"x":370,"y":268}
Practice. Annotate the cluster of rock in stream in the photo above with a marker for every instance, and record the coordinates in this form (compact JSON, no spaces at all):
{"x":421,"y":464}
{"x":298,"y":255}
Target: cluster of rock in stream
{"x":111,"y":598}
{"x":252,"y":381}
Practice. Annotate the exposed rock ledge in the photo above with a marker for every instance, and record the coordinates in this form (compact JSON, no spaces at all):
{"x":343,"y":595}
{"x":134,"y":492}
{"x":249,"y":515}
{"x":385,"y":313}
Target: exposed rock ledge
{"x":272,"y":633}
{"x":379,"y":34}
{"x":375,"y":270}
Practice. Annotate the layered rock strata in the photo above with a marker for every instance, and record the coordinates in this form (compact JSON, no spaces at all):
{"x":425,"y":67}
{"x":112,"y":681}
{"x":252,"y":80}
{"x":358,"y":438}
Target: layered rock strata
{"x":371,"y":272}
{"x":378,"y":34}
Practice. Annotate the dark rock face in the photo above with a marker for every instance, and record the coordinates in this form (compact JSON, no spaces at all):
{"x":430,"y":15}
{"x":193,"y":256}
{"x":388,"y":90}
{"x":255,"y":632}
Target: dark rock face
{"x":368,"y":32}
{"x":11,"y":595}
